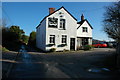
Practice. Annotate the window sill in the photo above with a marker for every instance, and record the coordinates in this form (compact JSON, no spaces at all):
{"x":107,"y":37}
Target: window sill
{"x":85,"y":32}
{"x":64,"y":44}
{"x":51,"y":44}
{"x":61,"y":29}
{"x":52,"y":27}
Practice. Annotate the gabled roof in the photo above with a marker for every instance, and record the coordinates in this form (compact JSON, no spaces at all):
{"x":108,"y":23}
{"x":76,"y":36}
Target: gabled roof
{"x":81,"y":22}
{"x":56,"y":11}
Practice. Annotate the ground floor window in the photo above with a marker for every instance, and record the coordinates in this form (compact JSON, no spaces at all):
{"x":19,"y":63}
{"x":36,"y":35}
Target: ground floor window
{"x":64,"y":39}
{"x":52,"y":39}
{"x":84,"y":41}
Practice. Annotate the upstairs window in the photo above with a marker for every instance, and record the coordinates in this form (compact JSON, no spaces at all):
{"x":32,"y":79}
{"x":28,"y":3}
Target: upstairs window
{"x":85,"y":29}
{"x":52,"y":22}
{"x":64,"y":39}
{"x":52,"y":39}
{"x":62,"y":23}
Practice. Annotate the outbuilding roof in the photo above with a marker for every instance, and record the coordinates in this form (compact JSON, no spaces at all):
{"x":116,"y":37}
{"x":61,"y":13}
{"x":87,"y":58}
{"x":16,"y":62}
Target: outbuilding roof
{"x":81,"y":22}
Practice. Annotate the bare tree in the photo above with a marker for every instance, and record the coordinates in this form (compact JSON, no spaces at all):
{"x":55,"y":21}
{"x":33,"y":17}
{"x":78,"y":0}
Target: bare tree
{"x":112,"y":23}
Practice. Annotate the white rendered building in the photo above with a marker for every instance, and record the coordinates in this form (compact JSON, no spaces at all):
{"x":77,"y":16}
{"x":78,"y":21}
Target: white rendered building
{"x":61,"y":30}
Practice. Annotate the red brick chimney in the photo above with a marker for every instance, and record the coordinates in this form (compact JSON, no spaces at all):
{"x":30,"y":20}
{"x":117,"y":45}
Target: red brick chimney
{"x":82,"y":17}
{"x":51,"y":10}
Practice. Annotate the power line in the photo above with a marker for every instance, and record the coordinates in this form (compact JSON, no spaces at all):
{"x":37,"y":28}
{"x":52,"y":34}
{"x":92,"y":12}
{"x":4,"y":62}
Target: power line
{"x":3,"y":10}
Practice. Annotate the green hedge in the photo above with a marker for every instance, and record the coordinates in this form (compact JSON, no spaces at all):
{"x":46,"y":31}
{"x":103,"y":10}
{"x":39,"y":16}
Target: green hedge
{"x":88,"y":47}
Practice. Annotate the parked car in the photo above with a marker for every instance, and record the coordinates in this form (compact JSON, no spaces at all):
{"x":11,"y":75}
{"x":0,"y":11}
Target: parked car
{"x":109,"y":44}
{"x":114,"y":44}
{"x":99,"y":44}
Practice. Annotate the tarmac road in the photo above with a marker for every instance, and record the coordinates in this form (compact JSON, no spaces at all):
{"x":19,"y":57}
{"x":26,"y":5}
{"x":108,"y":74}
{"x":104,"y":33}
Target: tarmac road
{"x":74,"y":65}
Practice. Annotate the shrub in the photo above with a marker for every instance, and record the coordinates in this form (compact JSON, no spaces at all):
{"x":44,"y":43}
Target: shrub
{"x":4,"y":49}
{"x":88,"y":47}
{"x":52,"y":49}
{"x":65,"y":50}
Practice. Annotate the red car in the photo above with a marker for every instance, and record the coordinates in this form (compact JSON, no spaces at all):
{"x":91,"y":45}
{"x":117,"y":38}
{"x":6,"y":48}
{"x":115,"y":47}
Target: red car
{"x":99,"y":44}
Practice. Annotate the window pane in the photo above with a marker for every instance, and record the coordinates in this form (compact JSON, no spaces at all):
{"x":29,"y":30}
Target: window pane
{"x":62,"y":23}
{"x":52,"y":22}
{"x":64,"y":39}
{"x":84,"y":29}
{"x":52,"y":38}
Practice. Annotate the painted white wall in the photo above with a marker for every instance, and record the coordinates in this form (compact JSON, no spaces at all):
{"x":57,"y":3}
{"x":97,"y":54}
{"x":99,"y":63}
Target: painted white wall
{"x":80,"y":33}
{"x":41,"y":35}
{"x":90,"y":41}
{"x":71,"y":31}
{"x":44,"y":32}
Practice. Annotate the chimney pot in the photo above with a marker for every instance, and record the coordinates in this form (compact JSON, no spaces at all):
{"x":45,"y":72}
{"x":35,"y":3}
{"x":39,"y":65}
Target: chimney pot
{"x":51,"y":10}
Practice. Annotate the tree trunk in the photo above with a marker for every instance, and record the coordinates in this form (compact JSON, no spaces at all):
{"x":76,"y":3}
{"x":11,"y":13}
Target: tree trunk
{"x":118,"y":54}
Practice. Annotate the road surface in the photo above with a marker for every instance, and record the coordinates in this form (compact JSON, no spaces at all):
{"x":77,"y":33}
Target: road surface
{"x":74,"y":65}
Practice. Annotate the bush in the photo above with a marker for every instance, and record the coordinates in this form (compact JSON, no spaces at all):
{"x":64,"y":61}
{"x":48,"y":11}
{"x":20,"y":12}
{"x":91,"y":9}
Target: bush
{"x":88,"y":47}
{"x":65,"y":50}
{"x":52,"y":49}
{"x":4,"y":49}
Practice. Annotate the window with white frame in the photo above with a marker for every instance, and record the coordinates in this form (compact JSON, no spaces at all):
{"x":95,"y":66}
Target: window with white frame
{"x":85,"y":29}
{"x":64,"y":39}
{"x":52,"y":39}
{"x":62,"y":23}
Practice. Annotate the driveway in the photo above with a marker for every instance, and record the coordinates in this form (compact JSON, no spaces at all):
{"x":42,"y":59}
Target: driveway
{"x":85,"y":64}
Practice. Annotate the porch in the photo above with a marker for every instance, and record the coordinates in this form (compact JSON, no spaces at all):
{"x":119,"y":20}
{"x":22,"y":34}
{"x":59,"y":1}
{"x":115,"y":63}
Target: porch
{"x":82,"y":41}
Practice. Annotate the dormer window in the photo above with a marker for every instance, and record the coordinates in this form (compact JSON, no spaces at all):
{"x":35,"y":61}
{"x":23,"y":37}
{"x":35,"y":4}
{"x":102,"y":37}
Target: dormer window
{"x":52,"y":22}
{"x":62,"y":23}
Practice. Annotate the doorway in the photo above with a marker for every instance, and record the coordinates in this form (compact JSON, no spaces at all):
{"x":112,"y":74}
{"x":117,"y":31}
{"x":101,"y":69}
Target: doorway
{"x":72,"y":43}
